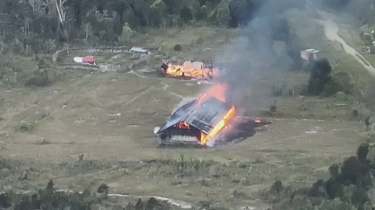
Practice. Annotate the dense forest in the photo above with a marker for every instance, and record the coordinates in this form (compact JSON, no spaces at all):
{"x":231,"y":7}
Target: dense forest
{"x":41,"y":24}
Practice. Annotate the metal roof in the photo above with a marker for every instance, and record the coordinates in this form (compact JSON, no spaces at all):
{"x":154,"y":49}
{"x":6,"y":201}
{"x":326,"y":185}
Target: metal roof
{"x":138,"y":49}
{"x":311,"y":50}
{"x":203,"y":116}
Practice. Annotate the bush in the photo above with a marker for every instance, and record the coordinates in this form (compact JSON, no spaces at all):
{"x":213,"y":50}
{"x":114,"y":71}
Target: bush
{"x":40,"y":79}
{"x":339,"y":82}
{"x":273,"y":108}
{"x":167,"y":48}
{"x":319,"y":76}
{"x":25,"y":126}
{"x":177,"y":47}
{"x":346,"y":190}
{"x":126,"y":34}
{"x":355,"y":112}
{"x":368,"y":137}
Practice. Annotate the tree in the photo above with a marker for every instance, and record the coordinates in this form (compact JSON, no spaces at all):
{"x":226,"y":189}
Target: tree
{"x":157,"y":12}
{"x":222,"y":14}
{"x":319,"y":76}
{"x":127,"y":33}
{"x":186,"y":14}
{"x":129,"y":17}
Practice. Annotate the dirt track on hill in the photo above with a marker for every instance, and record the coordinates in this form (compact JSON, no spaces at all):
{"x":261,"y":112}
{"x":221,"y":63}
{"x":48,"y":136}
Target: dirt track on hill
{"x":331,"y":32}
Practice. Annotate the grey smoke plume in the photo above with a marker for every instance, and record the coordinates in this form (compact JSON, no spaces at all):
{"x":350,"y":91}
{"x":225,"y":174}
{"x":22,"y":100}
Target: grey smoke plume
{"x":254,"y":48}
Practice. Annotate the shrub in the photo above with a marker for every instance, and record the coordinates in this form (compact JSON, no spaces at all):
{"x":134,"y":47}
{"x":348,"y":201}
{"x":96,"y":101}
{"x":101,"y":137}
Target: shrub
{"x":25,"y":126}
{"x":362,"y":152}
{"x":273,"y":108}
{"x":319,"y":76}
{"x":339,"y":82}
{"x":177,"y":47}
{"x":40,"y":79}
{"x":368,"y":136}
{"x":355,"y":112}
{"x":126,"y":34}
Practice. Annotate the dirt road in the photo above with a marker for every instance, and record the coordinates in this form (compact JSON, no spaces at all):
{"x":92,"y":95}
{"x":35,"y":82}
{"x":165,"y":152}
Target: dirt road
{"x":331,"y":32}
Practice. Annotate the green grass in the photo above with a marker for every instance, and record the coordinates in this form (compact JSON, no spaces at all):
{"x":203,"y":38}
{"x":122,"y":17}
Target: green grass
{"x":193,"y":40}
{"x":313,"y":37}
{"x":351,"y":36}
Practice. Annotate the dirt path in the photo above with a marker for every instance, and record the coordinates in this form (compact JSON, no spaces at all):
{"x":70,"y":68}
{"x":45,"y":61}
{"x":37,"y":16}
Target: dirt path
{"x":331,"y":32}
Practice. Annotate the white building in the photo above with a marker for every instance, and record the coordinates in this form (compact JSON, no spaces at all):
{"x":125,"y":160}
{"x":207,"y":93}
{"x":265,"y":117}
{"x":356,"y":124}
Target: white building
{"x":309,"y":54}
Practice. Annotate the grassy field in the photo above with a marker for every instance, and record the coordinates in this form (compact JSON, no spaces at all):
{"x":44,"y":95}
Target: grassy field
{"x":350,"y":31}
{"x":109,"y":118}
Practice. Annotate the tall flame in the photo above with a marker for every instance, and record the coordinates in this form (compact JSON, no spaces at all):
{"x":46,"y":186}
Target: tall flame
{"x":219,"y":126}
{"x":218,"y":91}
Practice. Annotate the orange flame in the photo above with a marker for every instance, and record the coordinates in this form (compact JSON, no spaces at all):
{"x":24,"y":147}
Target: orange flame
{"x":218,"y":91}
{"x":183,"y":125}
{"x":218,"y":127}
{"x":190,"y":71}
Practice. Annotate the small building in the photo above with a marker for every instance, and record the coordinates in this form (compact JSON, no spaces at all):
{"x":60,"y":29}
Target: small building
{"x":85,"y":60}
{"x":309,"y":54}
{"x":138,"y":52}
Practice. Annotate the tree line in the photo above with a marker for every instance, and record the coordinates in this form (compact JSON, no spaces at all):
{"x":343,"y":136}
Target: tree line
{"x":29,"y":21}
{"x":41,"y":24}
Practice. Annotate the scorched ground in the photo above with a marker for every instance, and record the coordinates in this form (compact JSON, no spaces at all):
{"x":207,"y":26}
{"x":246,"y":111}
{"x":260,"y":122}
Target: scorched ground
{"x":208,"y":120}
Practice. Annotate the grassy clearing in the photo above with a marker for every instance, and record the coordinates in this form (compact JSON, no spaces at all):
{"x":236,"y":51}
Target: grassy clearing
{"x":188,"y":36}
{"x":188,"y":177}
{"x":197,"y":43}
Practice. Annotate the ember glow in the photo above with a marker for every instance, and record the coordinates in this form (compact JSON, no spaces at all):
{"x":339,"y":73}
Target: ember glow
{"x":183,"y":125}
{"x":218,"y":91}
{"x":190,"y":71}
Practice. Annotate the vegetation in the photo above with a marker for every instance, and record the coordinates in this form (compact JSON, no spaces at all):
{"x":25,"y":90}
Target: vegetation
{"x":319,"y":76}
{"x":42,"y":25}
{"x":345,"y":189}
{"x":51,"y":198}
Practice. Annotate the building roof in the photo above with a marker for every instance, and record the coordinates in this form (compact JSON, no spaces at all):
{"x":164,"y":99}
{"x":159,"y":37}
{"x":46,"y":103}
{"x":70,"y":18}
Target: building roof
{"x":138,"y":49}
{"x":311,"y":50}
{"x":203,"y":116}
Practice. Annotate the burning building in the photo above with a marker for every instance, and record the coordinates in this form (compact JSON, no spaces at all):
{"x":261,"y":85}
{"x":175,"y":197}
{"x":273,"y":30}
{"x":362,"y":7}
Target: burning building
{"x":209,"y":119}
{"x":188,"y":69}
